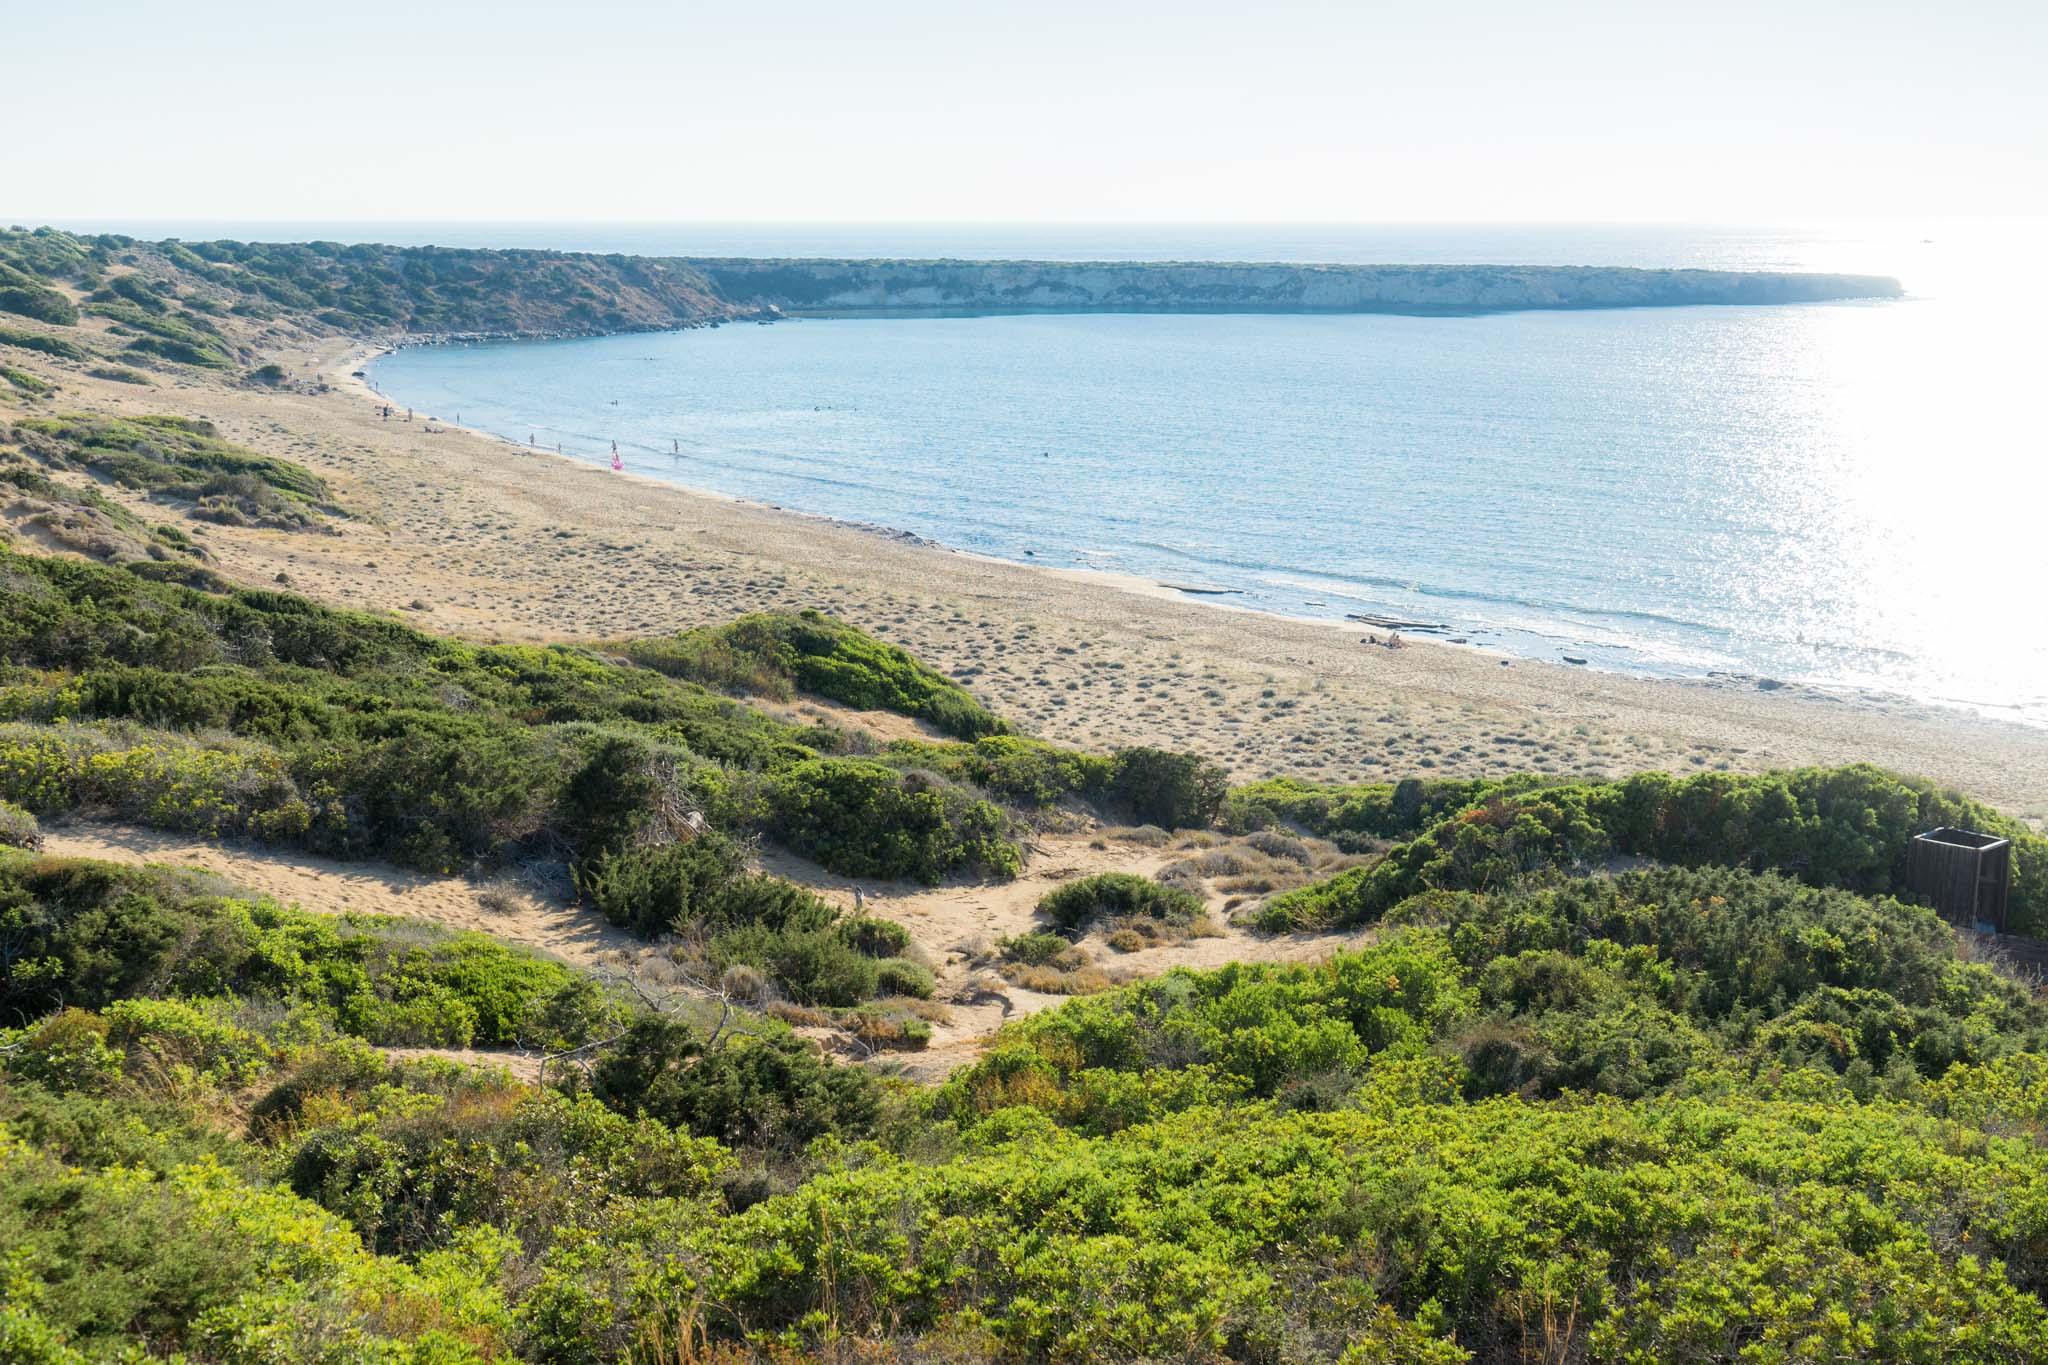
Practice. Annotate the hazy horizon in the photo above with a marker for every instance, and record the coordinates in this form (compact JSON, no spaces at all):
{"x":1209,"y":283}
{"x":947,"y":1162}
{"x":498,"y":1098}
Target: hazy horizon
{"x":917,"y":112}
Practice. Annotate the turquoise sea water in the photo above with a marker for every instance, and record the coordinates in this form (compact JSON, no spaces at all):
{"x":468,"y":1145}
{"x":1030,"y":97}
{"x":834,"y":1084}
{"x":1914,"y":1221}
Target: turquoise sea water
{"x":1844,"y":495}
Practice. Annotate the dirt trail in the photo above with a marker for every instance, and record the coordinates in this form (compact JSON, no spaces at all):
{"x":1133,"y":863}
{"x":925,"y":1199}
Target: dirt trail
{"x":958,"y":926}
{"x":333,"y":888}
{"x":955,"y":927}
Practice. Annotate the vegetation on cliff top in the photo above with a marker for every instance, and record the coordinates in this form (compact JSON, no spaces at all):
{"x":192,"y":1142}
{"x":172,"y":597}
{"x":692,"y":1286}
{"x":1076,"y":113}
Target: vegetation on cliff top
{"x":168,"y":295}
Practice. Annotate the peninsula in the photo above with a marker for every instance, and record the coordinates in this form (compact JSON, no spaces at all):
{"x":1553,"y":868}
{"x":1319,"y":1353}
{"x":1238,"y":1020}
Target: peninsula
{"x":391,"y":293}
{"x":825,"y":287}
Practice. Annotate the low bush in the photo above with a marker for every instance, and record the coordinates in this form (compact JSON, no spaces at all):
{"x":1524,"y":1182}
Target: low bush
{"x":47,"y":345}
{"x":33,"y":301}
{"x":1037,"y":949}
{"x":90,"y":934}
{"x":1117,"y":895}
{"x":27,"y":383}
{"x":813,"y":966}
{"x":778,"y":654}
{"x":1168,"y":789}
{"x":185,"y":459}
{"x":121,"y":374}
{"x":1367,"y":811}
{"x":768,"y":1090}
{"x":18,"y":829}
{"x":862,"y":818}
{"x":875,"y":937}
{"x":1844,"y":827}
{"x":900,"y":976}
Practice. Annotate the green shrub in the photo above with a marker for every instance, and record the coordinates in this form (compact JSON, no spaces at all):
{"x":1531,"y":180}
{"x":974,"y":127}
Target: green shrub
{"x":1114,"y":895}
{"x":1847,"y":827}
{"x":1171,"y":790}
{"x":1028,"y":772}
{"x":778,"y":653}
{"x":18,"y":829}
{"x":44,"y":305}
{"x":813,"y":965}
{"x":1378,"y":810}
{"x":48,"y":345}
{"x":656,"y":890}
{"x":874,"y":937}
{"x":861,"y":818}
{"x":92,"y":934}
{"x":29,"y":384}
{"x":182,"y":458}
{"x":899,"y":976}
{"x":760,"y":1090}
{"x":1037,"y":949}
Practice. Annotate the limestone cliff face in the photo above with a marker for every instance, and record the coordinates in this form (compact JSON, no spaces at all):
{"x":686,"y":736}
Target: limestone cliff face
{"x":826,"y":286}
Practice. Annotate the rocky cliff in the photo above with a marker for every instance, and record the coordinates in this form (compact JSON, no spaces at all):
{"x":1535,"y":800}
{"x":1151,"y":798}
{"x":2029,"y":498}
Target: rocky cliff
{"x":838,"y":287}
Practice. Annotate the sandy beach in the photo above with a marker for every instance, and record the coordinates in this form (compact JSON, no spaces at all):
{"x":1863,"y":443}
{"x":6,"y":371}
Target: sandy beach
{"x":462,"y":532}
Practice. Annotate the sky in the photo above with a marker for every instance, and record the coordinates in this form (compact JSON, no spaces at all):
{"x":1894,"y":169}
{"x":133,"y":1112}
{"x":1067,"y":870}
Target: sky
{"x":1051,"y":111}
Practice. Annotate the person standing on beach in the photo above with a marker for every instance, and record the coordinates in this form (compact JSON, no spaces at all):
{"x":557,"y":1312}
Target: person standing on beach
{"x":617,"y":463}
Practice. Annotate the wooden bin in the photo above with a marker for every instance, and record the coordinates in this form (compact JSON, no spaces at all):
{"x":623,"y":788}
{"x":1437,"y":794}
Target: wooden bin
{"x":1964,"y":875}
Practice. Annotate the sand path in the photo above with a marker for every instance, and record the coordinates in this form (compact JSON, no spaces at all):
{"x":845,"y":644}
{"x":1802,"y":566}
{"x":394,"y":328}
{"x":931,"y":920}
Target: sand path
{"x":328,"y":887}
{"x":955,"y":927}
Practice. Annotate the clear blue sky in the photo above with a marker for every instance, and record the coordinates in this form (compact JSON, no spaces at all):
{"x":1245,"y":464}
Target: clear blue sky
{"x":1493,"y":110}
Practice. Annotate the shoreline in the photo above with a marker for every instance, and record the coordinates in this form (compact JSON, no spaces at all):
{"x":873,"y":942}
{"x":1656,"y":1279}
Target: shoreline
{"x":1213,"y":597}
{"x":451,"y":532}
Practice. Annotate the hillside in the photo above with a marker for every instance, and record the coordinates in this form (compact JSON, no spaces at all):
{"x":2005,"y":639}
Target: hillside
{"x":202,"y":287}
{"x":178,"y":295}
{"x":1741,"y":1103}
{"x":842,"y":287}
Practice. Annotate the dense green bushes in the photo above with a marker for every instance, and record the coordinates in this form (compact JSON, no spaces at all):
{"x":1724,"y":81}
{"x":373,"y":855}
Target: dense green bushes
{"x":1025,"y":772}
{"x":354,"y":735}
{"x":185,"y":459}
{"x":867,"y":819}
{"x":1168,"y":789}
{"x":770,"y":1089}
{"x":1116,"y":895}
{"x":1351,"y":815}
{"x":1143,"y":785}
{"x":25,"y":382}
{"x":37,"y":341}
{"x":1737,"y":1110}
{"x":34,"y":301}
{"x":1625,"y":986}
{"x":779,"y":654}
{"x":90,"y":934}
{"x":1847,"y":827}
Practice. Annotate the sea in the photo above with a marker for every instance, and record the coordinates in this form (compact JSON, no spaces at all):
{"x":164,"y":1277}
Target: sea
{"x":1846,"y":497}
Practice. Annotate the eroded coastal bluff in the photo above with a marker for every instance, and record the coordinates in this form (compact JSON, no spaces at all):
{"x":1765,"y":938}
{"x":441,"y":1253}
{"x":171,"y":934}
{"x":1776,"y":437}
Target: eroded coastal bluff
{"x":827,"y":287}
{"x":427,"y":292}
